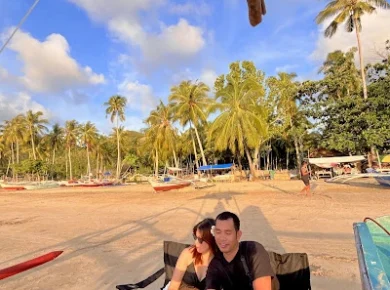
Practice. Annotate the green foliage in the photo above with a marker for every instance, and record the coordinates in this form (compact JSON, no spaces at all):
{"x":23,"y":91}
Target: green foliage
{"x":30,"y":166}
{"x":239,"y":92}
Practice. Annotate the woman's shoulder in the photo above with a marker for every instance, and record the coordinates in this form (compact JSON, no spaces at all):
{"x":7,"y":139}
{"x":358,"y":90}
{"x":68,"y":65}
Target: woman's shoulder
{"x":187,"y":252}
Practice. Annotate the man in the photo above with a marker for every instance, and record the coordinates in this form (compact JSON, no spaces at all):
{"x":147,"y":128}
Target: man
{"x":240,"y":265}
{"x":305,"y":175}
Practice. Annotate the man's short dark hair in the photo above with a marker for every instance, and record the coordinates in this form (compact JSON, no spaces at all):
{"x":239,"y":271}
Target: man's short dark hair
{"x":224,"y":216}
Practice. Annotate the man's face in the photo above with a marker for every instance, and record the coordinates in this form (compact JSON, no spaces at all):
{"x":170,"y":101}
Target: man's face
{"x":226,"y":237}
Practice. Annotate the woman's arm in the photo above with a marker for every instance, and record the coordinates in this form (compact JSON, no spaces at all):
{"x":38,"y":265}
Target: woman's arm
{"x":181,"y":267}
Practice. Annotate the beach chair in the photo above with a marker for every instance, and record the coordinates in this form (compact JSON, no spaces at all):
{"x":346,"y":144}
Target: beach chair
{"x":292,"y":269}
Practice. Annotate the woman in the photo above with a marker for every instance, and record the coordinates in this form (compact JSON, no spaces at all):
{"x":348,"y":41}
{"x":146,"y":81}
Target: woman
{"x":191,"y":267}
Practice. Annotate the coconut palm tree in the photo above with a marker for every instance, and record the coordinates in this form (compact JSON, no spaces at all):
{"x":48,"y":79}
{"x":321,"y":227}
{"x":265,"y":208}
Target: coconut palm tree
{"x":116,"y":109}
{"x":88,"y":134}
{"x":285,"y":89}
{"x":71,"y":136}
{"x":14,"y":132}
{"x":35,"y":125}
{"x":162,"y":132}
{"x":350,"y":12}
{"x":55,"y":138}
{"x":238,"y":127}
{"x":190,"y":102}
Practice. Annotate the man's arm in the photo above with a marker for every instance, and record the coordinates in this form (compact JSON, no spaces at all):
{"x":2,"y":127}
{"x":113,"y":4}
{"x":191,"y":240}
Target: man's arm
{"x":263,"y":283}
{"x":261,"y":267}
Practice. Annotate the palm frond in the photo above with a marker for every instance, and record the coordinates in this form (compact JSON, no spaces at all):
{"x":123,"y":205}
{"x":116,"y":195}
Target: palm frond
{"x":331,"y":29}
{"x":379,"y":3}
{"x":330,"y":10}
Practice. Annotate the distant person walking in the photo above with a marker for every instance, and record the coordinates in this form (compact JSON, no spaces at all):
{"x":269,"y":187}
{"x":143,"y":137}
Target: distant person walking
{"x":305,"y":175}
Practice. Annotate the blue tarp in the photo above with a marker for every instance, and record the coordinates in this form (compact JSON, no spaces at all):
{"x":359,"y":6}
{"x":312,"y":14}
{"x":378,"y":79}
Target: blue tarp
{"x":216,"y":167}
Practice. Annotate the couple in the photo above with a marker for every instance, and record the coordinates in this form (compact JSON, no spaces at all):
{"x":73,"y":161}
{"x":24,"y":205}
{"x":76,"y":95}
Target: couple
{"x":217,"y":260}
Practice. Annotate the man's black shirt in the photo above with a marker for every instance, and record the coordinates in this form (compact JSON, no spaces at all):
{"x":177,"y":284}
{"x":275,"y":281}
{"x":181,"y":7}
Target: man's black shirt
{"x":231,"y":275}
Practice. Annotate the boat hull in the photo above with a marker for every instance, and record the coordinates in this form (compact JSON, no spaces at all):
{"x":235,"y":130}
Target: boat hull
{"x":168,"y":186}
{"x":10,"y":271}
{"x":373,"y":248}
{"x":12,"y":186}
{"x":385,"y":180}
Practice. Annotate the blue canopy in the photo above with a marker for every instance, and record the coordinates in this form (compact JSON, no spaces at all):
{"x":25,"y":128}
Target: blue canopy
{"x":216,"y":167}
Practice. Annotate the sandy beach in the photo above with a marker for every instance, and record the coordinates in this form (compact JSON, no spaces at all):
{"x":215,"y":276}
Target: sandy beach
{"x":114,"y":235}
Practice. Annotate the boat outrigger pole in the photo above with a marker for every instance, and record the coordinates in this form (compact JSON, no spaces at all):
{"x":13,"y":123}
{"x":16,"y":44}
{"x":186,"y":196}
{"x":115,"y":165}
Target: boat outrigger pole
{"x":19,"y":25}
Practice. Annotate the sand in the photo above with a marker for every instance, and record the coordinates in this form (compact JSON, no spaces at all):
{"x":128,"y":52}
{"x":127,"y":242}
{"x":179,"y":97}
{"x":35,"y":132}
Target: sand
{"x":114,"y":235}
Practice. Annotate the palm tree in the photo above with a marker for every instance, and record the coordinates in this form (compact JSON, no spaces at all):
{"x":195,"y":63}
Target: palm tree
{"x":285,"y":89}
{"x":350,"y":12}
{"x":88,"y":136}
{"x":55,"y":138}
{"x":14,"y":132}
{"x":162,"y":132}
{"x":116,"y":109}
{"x":190,"y":102}
{"x":238,"y":127}
{"x":35,"y":125}
{"x":71,"y":135}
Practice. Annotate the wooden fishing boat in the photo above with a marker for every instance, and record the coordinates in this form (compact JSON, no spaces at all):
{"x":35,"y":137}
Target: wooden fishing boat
{"x":372,"y":238}
{"x":169,"y":183}
{"x":13,"y":186}
{"x":41,"y":185}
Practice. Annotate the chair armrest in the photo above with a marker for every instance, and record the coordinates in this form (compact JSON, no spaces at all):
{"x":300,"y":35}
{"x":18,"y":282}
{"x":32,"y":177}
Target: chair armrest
{"x":143,"y":283}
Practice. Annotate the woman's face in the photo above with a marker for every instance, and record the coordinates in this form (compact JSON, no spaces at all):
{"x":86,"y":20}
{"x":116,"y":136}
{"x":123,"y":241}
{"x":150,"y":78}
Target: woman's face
{"x":201,"y":245}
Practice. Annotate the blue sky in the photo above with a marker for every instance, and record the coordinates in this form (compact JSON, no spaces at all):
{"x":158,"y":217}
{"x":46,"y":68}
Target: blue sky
{"x":72,"y":55}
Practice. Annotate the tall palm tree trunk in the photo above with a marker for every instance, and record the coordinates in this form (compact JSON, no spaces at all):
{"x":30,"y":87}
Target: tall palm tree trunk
{"x":89,"y":163}
{"x":97,"y":165}
{"x":101,"y":164}
{"x":66,"y":165}
{"x":17,"y":152}
{"x":175,"y":158}
{"x":33,"y":144}
{"x":70,"y":164}
{"x":298,"y":154}
{"x":13,"y":160}
{"x":200,"y":146}
{"x":156,"y":164}
{"x":251,"y":167}
{"x":118,"y":162}
{"x":195,"y":153}
{"x":287,"y":158}
{"x":361,"y":58}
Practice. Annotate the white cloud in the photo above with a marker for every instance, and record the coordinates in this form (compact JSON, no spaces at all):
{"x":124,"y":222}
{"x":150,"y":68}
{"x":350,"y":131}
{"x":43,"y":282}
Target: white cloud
{"x":200,"y":8}
{"x":178,"y":41}
{"x":48,"y":66}
{"x":139,"y":96}
{"x":15,"y":104}
{"x":208,"y":76}
{"x":375,"y":33}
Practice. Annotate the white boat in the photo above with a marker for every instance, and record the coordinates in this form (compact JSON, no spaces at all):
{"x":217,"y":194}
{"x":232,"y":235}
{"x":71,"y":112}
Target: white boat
{"x":41,"y":185}
{"x":169,"y":183}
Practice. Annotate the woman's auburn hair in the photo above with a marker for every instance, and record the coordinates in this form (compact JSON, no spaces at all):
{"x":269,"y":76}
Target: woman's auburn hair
{"x":204,"y":228}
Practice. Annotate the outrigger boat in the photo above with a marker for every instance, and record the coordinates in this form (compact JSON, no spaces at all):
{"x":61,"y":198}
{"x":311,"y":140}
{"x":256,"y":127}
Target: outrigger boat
{"x":168,"y":183}
{"x":382,"y":178}
{"x":372,"y":238}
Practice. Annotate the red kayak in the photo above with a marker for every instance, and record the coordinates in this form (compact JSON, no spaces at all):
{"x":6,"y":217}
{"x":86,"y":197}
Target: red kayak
{"x":13,"y":270}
